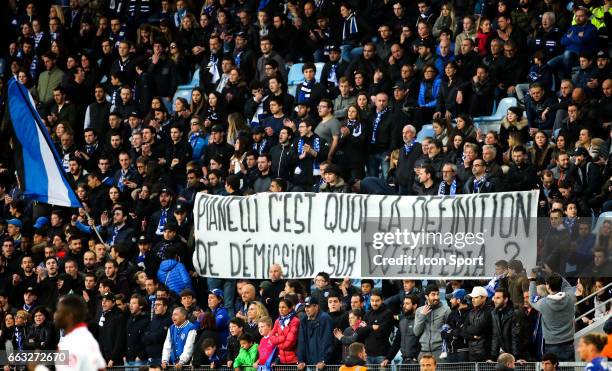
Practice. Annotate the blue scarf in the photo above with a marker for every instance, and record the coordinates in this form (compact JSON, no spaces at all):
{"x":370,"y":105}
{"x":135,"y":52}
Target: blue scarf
{"x":453,"y":188}
{"x":316,"y":145}
{"x":193,"y":138}
{"x":283,"y":321}
{"x":305,"y":91}
{"x":478,"y":184}
{"x":377,"y":120}
{"x":259,"y":147}
{"x":350,"y":26}
{"x":355,"y":127}
{"x":408,"y":147}
{"x":163,"y":218}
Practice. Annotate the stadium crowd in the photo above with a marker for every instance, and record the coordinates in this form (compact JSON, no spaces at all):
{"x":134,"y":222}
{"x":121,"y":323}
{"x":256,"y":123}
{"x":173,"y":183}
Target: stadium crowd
{"x":373,"y":73}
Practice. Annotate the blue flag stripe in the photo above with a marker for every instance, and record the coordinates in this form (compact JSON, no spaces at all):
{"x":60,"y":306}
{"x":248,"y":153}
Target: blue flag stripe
{"x":44,"y":177}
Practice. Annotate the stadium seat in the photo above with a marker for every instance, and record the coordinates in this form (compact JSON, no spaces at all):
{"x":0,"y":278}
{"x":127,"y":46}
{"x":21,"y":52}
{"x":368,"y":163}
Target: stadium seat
{"x":426,"y":131}
{"x":603,"y":216}
{"x":195,"y":81}
{"x":180,"y":93}
{"x":502,"y":109}
{"x":295,"y":74}
{"x":319,"y":70}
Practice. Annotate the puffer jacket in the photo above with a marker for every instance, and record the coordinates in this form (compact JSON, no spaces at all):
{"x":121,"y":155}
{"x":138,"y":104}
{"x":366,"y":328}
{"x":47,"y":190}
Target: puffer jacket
{"x":174,"y":275}
{"x":286,"y":340}
{"x":477,"y":332}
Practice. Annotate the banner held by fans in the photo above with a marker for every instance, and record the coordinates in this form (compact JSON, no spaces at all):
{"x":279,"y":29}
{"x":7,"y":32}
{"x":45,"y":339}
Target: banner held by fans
{"x":353,"y":235}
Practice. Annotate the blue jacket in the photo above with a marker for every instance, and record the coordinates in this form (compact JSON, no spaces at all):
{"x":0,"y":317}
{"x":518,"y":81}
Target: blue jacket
{"x":198,"y":143}
{"x":574,"y":43}
{"x":434,"y":94}
{"x":173,"y":274}
{"x":315,"y":340}
{"x":222,"y":318}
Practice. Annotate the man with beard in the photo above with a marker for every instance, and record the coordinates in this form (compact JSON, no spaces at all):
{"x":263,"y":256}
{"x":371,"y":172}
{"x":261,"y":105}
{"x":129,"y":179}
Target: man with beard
{"x":339,"y":318}
{"x":453,"y":328}
{"x":507,"y":326}
{"x":405,"y":338}
{"x":90,"y":264}
{"x":428,"y":321}
{"x":91,"y":295}
{"x":379,"y":326}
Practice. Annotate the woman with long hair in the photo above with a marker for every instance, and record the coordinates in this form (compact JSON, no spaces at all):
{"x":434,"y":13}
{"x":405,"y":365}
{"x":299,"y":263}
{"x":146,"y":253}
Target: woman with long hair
{"x":198,"y":103}
{"x":514,"y":122}
{"x":6,"y":332}
{"x":442,"y":129}
{"x":465,"y":127}
{"x":541,"y":151}
{"x":447,"y":106}
{"x":454,"y":148}
{"x":484,"y":36}
{"x":144,"y":40}
{"x":236,"y":127}
{"x":350,"y":153}
{"x":446,"y":20}
{"x":560,"y":146}
{"x":215,"y":113}
{"x":237,"y":161}
{"x":207,"y":330}
{"x":363,"y":104}
{"x":255,"y":312}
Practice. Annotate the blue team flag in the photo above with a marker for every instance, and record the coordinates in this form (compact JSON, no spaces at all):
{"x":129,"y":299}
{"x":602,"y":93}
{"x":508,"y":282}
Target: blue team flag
{"x":42,"y":176}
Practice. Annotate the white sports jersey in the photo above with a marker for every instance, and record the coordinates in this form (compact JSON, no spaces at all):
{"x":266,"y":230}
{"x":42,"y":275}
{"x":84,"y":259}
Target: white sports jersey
{"x":84,"y":351}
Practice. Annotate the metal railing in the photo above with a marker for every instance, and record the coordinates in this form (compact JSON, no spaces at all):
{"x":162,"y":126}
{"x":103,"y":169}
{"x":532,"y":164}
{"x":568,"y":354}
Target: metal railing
{"x":594,"y":308}
{"x":593,"y":294}
{"x":468,"y":366}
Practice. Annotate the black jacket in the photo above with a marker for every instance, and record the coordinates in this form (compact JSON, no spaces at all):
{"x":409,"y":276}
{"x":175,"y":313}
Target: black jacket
{"x":41,"y":337}
{"x":377,"y":341}
{"x":111,"y":336}
{"x":135,"y":328}
{"x":507,"y":325}
{"x":383,"y":135}
{"x":404,"y":173}
{"x":521,"y":178}
{"x":454,"y":336}
{"x":282,"y":161}
{"x":477,"y":332}
{"x":155,"y":334}
{"x":405,"y":340}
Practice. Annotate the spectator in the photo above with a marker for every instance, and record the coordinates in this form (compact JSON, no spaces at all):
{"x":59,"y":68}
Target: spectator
{"x":111,"y":333}
{"x":507,"y":324}
{"x":315,"y":339}
{"x":477,"y":326}
{"x":452,"y":330}
{"x":285,"y":332}
{"x":137,"y":323}
{"x":405,"y":338}
{"x":557,"y":310}
{"x":376,"y":333}
{"x":178,"y":346}
{"x":248,"y":354}
{"x":428,"y":322}
{"x":505,"y":362}
{"x":356,"y":358}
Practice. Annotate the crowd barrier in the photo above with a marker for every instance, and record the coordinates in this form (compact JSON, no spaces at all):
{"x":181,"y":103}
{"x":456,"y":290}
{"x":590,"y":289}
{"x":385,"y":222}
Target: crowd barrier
{"x":468,"y":366}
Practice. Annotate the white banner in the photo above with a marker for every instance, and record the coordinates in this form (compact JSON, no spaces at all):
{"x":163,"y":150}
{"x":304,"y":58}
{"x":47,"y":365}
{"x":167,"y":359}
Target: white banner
{"x":352,"y":235}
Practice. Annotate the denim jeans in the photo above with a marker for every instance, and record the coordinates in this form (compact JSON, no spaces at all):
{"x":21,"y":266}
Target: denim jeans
{"x":350,"y":52}
{"x":229,"y":291}
{"x":377,"y":166}
{"x":564,"y":351}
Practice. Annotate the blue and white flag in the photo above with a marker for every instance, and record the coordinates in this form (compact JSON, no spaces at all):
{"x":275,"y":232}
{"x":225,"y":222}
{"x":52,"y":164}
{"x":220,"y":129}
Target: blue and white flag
{"x":42,"y":176}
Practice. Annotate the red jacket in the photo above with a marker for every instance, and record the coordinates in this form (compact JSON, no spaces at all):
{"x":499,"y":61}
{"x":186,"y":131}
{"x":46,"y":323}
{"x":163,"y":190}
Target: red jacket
{"x":286,"y":340}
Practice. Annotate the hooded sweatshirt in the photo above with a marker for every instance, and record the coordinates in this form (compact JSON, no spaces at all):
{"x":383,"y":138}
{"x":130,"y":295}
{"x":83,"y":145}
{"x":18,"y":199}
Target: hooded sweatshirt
{"x":557,"y":313}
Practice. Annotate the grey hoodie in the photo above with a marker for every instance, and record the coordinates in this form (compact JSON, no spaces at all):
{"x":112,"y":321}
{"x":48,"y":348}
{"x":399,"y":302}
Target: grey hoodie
{"x":557,"y":313}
